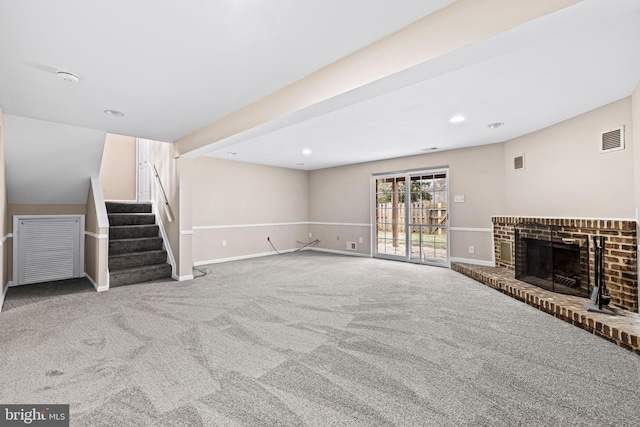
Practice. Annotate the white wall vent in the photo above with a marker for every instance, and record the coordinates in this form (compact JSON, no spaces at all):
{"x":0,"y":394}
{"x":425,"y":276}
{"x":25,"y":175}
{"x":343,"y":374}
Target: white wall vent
{"x":351,"y":246}
{"x":612,"y":140}
{"x":518,"y":162}
{"x":47,"y":248}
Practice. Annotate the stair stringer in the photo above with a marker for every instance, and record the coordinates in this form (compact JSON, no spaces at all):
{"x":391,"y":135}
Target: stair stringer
{"x":165,"y":240}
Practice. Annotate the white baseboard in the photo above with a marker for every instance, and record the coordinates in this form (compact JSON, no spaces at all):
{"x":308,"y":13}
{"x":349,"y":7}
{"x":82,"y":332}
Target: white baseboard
{"x":333,"y":251}
{"x":95,"y":285}
{"x":238,"y":258}
{"x":182,"y":278}
{"x":263,"y":254}
{"x":473,"y":261}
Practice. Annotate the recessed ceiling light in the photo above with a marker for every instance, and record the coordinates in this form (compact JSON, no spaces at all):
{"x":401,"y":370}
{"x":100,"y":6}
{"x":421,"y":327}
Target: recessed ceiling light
{"x":495,"y":125}
{"x":429,"y":149}
{"x":114,"y":113}
{"x":306,"y":151}
{"x":231,"y":153}
{"x":457,"y":119}
{"x":67,"y":77}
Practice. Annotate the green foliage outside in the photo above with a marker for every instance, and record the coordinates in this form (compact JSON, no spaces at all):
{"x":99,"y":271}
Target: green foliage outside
{"x":419,"y":192}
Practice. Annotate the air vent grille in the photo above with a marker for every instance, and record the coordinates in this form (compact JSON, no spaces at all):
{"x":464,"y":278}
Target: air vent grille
{"x":518,"y":162}
{"x":612,"y":140}
{"x":505,"y":252}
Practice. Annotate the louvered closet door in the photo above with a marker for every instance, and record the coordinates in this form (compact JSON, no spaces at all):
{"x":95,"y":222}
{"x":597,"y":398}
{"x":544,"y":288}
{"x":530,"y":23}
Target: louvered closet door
{"x":49,"y":248}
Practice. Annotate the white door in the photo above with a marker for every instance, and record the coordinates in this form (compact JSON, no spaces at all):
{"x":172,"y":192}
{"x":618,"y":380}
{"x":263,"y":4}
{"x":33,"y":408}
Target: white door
{"x":144,"y":172}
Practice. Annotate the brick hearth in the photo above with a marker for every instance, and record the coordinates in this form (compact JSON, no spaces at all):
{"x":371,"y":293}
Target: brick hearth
{"x":622,"y":329}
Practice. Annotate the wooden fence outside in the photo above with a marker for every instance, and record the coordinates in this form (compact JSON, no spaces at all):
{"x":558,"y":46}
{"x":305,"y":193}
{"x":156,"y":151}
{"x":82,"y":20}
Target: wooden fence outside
{"x":421,"y":213}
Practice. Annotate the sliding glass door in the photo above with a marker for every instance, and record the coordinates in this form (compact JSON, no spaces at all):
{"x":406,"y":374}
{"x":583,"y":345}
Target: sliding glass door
{"x":428,"y":218}
{"x":411,"y":216}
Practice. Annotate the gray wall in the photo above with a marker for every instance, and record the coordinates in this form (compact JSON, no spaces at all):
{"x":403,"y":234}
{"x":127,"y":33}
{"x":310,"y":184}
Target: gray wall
{"x":565,"y":174}
{"x":340,"y":200}
{"x":242,"y":204}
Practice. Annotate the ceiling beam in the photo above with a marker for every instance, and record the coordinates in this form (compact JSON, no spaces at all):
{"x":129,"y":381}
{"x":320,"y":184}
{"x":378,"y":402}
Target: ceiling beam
{"x":451,"y":28}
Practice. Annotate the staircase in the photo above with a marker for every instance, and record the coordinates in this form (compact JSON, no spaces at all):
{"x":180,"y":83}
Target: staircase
{"x":135,"y":245}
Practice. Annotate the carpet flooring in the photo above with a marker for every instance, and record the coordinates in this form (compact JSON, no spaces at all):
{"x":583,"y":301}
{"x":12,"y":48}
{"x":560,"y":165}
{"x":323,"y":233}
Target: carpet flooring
{"x":312,"y":339}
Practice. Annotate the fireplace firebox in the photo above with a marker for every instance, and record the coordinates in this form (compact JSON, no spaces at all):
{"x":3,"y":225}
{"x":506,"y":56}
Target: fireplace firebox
{"x":551,"y":259}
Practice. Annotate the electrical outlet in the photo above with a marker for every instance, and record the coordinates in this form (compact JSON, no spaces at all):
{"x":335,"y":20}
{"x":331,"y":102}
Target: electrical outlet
{"x":310,"y":235}
{"x":472,"y":250}
{"x":360,"y":240}
{"x":458,"y":198}
{"x":224,"y":243}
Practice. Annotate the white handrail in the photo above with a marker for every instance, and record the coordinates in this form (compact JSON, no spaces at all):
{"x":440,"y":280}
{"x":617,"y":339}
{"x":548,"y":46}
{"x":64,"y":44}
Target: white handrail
{"x":167,"y":208}
{"x":98,"y":200}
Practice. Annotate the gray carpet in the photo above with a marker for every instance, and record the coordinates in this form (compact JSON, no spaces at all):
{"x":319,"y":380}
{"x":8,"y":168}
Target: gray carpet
{"x":313,"y":339}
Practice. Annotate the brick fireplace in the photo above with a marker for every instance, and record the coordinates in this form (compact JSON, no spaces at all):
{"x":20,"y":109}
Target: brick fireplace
{"x":574,"y":236}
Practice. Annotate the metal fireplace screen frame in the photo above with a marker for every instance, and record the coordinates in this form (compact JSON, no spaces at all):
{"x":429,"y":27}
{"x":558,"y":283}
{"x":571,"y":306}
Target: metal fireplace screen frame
{"x":552,"y":259}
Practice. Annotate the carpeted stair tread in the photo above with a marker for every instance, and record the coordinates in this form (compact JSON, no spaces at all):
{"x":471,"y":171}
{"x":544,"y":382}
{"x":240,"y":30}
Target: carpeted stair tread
{"x":133,"y":231}
{"x":136,"y":259}
{"x":123,"y":207}
{"x":117,"y":219}
{"x":123,"y":246}
{"x":139,"y":274}
{"x":136,"y":251}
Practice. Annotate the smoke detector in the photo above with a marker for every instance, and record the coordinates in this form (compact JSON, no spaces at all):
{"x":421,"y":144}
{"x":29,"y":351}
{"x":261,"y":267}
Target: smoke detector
{"x":495,"y":125}
{"x":114,"y":113}
{"x":67,"y":77}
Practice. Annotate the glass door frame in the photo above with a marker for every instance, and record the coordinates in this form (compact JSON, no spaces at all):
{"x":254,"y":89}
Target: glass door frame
{"x":407,"y":257}
{"x":374,"y":220}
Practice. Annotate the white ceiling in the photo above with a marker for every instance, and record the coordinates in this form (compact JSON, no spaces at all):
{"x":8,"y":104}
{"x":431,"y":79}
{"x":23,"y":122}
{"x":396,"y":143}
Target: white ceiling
{"x":173,"y":67}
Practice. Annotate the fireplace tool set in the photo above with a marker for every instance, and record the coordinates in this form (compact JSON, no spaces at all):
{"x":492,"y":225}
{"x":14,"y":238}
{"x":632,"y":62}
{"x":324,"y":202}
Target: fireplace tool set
{"x":599,"y":295}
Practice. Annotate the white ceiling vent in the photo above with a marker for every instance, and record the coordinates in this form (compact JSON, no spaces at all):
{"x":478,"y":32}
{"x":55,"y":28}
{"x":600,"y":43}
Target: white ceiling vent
{"x":518,"y":162}
{"x":612,"y":140}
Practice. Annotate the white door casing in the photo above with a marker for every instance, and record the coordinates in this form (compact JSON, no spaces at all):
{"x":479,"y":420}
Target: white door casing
{"x":143,"y":181}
